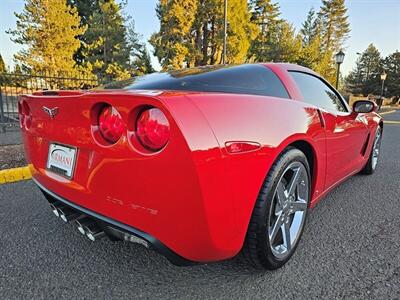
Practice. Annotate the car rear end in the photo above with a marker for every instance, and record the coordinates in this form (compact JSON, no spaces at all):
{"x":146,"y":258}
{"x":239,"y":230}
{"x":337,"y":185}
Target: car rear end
{"x":124,"y":164}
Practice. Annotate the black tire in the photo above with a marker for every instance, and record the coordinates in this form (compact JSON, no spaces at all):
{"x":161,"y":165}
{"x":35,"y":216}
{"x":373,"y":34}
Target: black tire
{"x":370,"y":167}
{"x":257,"y":248}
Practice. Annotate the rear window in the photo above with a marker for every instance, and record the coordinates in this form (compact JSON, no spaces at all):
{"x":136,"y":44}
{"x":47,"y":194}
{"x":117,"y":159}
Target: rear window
{"x":243,"y":79}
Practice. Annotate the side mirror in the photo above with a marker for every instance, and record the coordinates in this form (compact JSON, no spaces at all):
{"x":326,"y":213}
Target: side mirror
{"x":364,"y":106}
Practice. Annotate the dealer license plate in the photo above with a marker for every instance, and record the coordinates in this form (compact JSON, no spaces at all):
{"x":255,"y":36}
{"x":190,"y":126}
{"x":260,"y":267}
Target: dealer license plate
{"x":61,"y":159}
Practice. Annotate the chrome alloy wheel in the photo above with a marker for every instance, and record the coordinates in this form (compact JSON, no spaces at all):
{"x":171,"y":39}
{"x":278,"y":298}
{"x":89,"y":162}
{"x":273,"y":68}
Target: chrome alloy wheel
{"x":288,"y":210}
{"x":376,"y":148}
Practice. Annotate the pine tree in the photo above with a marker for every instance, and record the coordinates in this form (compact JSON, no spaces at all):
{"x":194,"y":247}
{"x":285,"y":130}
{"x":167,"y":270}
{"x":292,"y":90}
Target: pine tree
{"x":391,"y":65}
{"x":140,"y":57}
{"x":309,"y":28}
{"x":172,"y":42}
{"x":85,"y":10}
{"x":266,"y":16}
{"x":48,"y":30}
{"x":142,"y":63}
{"x":287,"y":45}
{"x":335,"y":24}
{"x":191,"y":32}
{"x":310,"y":32}
{"x":365,"y":77}
{"x":107,"y":51}
{"x":2,"y":65}
{"x":240,"y":31}
{"x":323,"y":34}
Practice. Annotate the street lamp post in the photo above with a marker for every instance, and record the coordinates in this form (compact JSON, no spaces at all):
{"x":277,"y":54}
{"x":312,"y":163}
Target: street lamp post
{"x":383,"y":78}
{"x":339,"y":57}
{"x":225,"y":29}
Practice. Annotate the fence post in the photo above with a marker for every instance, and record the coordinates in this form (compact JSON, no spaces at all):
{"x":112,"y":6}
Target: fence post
{"x":2,"y":122}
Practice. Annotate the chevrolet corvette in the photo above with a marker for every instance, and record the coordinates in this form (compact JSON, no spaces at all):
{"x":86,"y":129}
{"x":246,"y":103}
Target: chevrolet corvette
{"x":202,"y":163}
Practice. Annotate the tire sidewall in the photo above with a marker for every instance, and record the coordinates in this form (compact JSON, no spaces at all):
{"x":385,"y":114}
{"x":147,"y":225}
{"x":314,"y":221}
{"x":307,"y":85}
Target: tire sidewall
{"x":264,"y":250}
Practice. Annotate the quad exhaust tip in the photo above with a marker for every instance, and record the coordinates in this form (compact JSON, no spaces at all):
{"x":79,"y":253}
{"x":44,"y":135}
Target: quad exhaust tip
{"x":55,"y":208}
{"x":94,"y":232}
{"x":95,"y":235}
{"x":89,"y":228}
{"x":82,"y":223}
{"x":86,"y":225}
{"x":68,"y":214}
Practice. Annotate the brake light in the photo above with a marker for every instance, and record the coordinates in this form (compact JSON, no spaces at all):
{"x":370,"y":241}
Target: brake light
{"x":111,"y":125}
{"x":152,"y":129}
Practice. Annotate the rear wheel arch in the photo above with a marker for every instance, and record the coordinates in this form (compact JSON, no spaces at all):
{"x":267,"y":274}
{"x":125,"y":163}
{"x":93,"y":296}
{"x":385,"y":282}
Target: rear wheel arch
{"x":309,"y":151}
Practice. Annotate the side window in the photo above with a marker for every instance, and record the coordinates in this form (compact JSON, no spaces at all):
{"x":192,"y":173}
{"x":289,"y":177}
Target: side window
{"x":317,"y":92}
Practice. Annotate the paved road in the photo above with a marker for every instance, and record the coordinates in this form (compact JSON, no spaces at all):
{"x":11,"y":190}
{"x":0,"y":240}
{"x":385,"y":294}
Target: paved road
{"x":350,"y":249}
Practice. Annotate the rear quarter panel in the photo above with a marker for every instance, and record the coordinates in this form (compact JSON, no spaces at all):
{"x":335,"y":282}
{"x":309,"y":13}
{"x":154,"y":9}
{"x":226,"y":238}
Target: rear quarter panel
{"x":274,"y":123}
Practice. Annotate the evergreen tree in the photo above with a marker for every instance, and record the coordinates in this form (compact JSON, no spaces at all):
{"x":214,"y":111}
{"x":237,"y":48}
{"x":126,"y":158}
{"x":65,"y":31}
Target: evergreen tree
{"x":140,"y":57}
{"x":312,"y":55}
{"x":287,"y":45}
{"x":142,"y":63}
{"x":107,"y":51}
{"x":309,"y":29}
{"x":391,"y":66}
{"x":172,"y":42}
{"x":335,"y":24}
{"x":2,"y":65}
{"x":333,"y":28}
{"x":266,"y":16}
{"x":191,"y":32}
{"x":48,"y":29}
{"x":365,"y":77}
{"x":240,"y":31}
{"x":85,"y":10}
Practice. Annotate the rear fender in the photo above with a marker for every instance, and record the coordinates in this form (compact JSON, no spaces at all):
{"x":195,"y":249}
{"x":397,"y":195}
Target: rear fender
{"x":273,"y":123}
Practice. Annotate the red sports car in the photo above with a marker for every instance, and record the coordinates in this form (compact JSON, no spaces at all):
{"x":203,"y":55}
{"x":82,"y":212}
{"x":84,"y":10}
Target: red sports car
{"x":200,"y":163}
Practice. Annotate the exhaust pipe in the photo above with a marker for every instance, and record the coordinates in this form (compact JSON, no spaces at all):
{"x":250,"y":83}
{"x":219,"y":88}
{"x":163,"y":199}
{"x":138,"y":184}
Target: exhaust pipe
{"x":55,"y":208}
{"x":82,"y":223}
{"x":94,"y":232}
{"x":67,"y":214}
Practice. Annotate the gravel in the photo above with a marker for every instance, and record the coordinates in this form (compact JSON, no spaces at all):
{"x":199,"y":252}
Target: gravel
{"x":12,"y":156}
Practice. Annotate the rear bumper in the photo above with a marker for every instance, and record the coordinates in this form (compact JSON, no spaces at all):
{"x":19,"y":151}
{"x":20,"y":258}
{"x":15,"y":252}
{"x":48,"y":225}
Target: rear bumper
{"x":118,"y":230}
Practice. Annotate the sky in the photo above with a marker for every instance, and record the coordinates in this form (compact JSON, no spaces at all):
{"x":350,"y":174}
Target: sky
{"x":371,"y":21}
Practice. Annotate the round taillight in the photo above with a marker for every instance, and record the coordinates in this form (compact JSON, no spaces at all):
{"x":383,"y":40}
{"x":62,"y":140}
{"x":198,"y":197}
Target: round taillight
{"x":111,"y":125}
{"x":152,"y":129}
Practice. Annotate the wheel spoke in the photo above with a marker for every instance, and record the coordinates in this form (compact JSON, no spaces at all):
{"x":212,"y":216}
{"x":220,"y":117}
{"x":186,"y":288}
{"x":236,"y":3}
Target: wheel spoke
{"x":286,"y":236}
{"x":281,"y":193}
{"x":299,"y":205}
{"x":275,"y":228}
{"x":294,"y":181}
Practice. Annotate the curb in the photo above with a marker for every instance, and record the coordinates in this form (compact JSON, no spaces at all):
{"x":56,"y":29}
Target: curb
{"x":15,"y":174}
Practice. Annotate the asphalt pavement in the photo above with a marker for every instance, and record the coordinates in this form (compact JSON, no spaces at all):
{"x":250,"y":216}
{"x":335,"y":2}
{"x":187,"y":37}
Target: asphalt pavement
{"x":350,"y":249}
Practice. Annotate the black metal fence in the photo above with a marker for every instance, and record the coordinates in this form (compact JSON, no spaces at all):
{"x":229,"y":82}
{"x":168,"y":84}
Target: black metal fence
{"x":12,"y":85}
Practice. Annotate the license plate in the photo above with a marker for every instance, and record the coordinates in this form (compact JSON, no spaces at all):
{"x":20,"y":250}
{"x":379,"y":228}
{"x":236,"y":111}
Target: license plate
{"x":61,"y":159}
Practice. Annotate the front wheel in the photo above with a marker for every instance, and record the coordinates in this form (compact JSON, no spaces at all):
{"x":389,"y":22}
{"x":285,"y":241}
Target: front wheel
{"x":280,"y":212}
